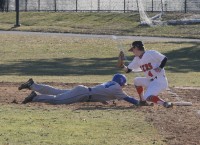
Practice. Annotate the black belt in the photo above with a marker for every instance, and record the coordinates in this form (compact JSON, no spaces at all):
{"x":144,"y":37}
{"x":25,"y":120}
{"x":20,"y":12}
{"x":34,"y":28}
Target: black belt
{"x":153,"y":79}
{"x":90,"y":96}
{"x":90,"y":89}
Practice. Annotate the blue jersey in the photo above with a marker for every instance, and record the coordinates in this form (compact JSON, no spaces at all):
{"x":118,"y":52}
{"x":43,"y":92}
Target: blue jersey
{"x":108,"y":91}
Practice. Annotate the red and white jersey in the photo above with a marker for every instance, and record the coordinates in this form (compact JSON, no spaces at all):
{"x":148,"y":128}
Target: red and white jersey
{"x":150,"y":60}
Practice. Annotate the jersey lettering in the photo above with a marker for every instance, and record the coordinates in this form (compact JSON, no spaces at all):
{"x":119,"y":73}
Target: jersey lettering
{"x":150,"y":74}
{"x":146,"y":67}
{"x":109,"y":84}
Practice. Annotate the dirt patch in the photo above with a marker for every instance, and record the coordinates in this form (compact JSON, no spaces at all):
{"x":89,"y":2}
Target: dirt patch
{"x":179,"y":125}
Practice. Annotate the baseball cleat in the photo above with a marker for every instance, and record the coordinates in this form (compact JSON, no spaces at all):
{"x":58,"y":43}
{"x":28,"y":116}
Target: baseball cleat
{"x":168,"y":104}
{"x":29,"y":98}
{"x":145,"y":103}
{"x":26,"y":85}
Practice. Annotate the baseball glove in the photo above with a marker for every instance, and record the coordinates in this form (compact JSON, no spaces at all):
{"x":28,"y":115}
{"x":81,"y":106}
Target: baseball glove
{"x":121,"y":58}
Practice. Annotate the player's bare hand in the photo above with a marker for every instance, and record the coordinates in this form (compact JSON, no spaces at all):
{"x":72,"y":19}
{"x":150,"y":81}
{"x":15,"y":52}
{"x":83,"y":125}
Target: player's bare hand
{"x":158,"y":69}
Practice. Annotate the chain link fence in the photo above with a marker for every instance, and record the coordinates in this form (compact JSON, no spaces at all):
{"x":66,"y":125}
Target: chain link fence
{"x":102,"y":5}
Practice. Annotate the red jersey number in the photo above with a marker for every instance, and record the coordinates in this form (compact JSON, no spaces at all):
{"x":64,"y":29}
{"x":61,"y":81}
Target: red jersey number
{"x":150,"y":74}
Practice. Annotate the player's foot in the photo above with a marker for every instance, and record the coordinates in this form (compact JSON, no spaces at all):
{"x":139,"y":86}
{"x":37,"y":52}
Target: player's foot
{"x":26,"y":85}
{"x":168,"y":104}
{"x":145,"y":103}
{"x":29,"y":98}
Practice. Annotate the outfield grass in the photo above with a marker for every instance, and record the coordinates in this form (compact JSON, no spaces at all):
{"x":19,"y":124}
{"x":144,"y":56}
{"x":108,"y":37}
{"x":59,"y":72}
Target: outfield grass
{"x":86,"y":60}
{"x":75,"y":59}
{"x":96,"y":23}
{"x":81,"y":60}
{"x":58,"y":125}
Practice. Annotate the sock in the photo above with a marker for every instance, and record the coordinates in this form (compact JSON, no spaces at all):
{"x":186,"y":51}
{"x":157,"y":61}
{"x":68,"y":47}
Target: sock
{"x":140,"y":91}
{"x":155,"y":99}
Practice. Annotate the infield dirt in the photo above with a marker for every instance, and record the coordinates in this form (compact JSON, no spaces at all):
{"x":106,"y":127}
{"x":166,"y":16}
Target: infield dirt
{"x":179,"y":125}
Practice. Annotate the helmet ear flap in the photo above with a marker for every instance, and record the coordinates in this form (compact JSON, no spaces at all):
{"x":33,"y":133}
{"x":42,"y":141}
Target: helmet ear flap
{"x":123,"y":81}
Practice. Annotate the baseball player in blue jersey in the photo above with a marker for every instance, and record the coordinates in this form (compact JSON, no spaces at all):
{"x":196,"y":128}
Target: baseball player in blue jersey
{"x":108,"y":91}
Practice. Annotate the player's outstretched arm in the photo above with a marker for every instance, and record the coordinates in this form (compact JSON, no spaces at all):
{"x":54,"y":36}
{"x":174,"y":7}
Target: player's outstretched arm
{"x":132,"y":100}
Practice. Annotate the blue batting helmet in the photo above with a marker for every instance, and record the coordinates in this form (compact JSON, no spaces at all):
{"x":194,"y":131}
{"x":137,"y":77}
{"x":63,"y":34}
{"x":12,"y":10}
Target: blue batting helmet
{"x":120,"y":79}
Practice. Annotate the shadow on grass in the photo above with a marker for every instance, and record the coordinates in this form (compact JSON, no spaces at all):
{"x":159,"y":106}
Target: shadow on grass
{"x":61,"y":67}
{"x":179,"y":61}
{"x":186,"y":59}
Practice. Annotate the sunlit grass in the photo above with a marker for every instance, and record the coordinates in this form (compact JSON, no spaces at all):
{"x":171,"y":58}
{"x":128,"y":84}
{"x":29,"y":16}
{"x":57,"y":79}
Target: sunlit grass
{"x":59,"y":125}
{"x":96,"y":23}
{"x":76,"y":59}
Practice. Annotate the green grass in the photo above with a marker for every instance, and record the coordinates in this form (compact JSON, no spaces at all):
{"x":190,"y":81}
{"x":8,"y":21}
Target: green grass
{"x":91,"y":60}
{"x":81,"y":60}
{"x":96,"y":23}
{"x":87,"y":126}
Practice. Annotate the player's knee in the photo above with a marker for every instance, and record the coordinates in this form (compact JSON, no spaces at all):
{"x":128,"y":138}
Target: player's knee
{"x":136,"y":82}
{"x":148,"y":96}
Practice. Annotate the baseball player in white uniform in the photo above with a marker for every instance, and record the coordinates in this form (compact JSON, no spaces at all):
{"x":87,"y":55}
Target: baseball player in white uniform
{"x":111,"y":90}
{"x":152,"y":63}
